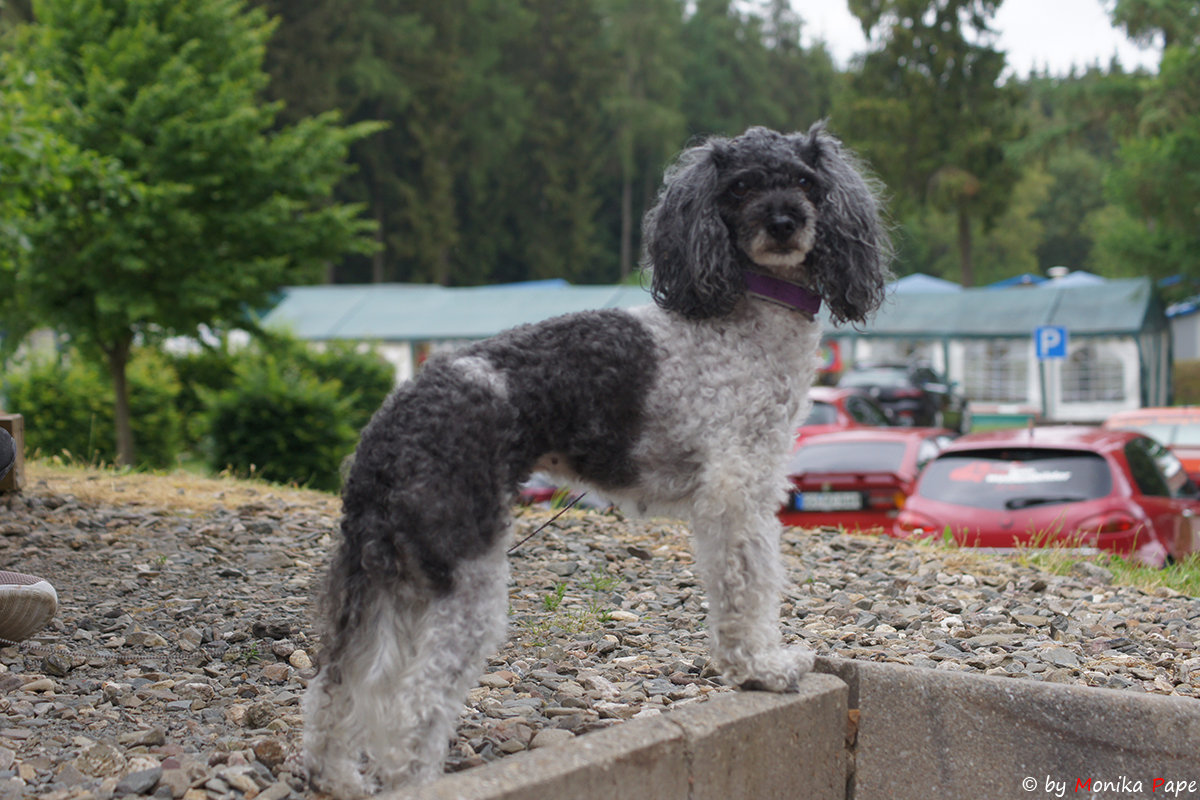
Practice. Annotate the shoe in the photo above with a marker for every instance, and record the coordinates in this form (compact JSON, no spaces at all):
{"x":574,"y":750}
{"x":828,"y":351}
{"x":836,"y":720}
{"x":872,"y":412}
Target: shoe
{"x":8,"y":452}
{"x":27,"y":604}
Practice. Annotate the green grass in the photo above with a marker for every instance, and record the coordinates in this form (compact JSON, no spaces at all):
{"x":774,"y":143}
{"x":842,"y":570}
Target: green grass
{"x":1050,"y":552}
{"x":552,"y":601}
{"x":595,"y":613}
{"x":1182,"y":576}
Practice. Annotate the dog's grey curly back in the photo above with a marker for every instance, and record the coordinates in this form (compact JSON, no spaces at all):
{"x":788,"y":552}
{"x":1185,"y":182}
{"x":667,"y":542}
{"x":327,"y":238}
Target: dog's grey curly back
{"x":690,"y":244}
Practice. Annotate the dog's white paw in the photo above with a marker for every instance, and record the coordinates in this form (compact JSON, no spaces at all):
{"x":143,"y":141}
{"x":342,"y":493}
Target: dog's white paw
{"x":779,"y":671}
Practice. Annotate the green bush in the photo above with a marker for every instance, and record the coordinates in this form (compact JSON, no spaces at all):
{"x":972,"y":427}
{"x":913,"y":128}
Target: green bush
{"x":68,"y":405}
{"x":209,"y":370}
{"x":280,"y":422}
{"x":366,"y":378}
{"x":1187,"y":383}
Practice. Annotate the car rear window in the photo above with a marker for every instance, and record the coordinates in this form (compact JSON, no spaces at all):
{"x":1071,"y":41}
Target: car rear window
{"x":863,"y":411}
{"x":821,"y":414}
{"x":847,"y":457}
{"x":1013,"y":479}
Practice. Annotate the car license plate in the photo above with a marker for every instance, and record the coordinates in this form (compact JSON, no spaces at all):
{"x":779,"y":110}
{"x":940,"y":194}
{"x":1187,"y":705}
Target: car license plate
{"x":827,"y":501}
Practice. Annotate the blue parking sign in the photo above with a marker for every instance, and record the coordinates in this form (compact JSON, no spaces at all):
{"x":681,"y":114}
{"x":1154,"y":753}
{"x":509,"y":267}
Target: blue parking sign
{"x":1050,"y":341}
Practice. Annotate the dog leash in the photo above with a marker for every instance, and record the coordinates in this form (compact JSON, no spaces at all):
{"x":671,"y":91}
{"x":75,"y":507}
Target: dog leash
{"x":541,"y":527}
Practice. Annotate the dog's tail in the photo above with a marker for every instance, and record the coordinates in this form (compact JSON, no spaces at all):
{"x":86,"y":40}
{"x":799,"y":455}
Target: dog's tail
{"x":399,"y":655}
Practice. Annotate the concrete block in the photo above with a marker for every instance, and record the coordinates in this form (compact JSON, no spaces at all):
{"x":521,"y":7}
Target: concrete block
{"x":639,"y":760}
{"x":929,"y":734}
{"x":759,"y":746}
{"x":743,"y":746}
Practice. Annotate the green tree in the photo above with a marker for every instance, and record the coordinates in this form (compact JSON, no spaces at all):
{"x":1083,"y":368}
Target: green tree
{"x":930,"y":113}
{"x":1074,"y":126}
{"x":209,"y":208}
{"x":643,"y":103}
{"x":1174,"y":21}
{"x":537,"y":195}
{"x":1157,"y":182}
{"x":727,"y":84}
{"x":38,"y":169}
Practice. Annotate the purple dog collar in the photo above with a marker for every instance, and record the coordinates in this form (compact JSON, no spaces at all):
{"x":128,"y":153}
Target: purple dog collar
{"x":782,"y":292}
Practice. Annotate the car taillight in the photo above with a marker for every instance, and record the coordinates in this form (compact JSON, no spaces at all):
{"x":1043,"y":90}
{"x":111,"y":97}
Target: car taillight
{"x":1110,"y":522}
{"x":885,"y":500}
{"x":910,"y":523}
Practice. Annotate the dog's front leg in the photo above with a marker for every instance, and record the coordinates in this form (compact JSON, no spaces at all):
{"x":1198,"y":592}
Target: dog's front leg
{"x":737,"y":552}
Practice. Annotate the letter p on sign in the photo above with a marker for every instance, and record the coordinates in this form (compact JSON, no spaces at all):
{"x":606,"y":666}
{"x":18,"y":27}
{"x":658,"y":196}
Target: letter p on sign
{"x":1050,"y":341}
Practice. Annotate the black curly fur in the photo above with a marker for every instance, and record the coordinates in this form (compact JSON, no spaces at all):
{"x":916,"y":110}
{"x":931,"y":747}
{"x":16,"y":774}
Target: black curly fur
{"x":442,"y":459}
{"x":697,"y":266}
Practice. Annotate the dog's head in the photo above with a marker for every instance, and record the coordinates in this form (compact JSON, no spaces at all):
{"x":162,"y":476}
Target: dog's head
{"x":794,"y":206}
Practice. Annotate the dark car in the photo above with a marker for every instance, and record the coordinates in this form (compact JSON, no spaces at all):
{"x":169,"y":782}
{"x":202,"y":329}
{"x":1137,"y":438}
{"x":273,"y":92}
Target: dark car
{"x":1078,"y":487}
{"x":858,"y":479}
{"x":913,"y":393}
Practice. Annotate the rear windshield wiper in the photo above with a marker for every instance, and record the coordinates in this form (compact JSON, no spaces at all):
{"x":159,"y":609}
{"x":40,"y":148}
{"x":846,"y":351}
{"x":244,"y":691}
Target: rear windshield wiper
{"x":1014,"y":503}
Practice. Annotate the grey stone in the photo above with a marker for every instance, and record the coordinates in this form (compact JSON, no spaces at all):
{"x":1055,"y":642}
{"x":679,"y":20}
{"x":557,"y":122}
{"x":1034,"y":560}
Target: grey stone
{"x":142,"y":782}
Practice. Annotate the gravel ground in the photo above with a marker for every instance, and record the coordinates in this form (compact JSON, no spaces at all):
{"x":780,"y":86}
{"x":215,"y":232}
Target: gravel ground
{"x":184,"y":639}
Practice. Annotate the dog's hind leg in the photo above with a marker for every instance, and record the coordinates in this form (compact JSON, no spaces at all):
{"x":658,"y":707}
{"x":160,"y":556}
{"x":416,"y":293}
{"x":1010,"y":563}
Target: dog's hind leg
{"x":737,"y":552}
{"x":387,"y":720}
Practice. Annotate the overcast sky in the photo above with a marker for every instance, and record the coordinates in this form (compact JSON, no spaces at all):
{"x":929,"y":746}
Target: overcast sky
{"x":1034,"y":33}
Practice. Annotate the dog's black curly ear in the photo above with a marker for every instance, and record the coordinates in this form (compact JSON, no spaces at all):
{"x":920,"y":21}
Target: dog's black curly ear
{"x":687,"y":245}
{"x":852,"y":253}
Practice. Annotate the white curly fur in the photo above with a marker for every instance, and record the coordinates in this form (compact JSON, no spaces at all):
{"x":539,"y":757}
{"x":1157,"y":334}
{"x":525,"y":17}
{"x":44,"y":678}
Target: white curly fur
{"x":731,"y":398}
{"x":684,"y":409}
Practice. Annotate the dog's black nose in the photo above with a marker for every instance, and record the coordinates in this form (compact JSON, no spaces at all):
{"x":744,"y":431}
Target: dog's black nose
{"x":781,"y":227}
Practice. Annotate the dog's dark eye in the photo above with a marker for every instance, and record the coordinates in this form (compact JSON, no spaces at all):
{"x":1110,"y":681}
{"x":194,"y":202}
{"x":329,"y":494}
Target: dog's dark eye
{"x":739,"y":189}
{"x":805,"y":184}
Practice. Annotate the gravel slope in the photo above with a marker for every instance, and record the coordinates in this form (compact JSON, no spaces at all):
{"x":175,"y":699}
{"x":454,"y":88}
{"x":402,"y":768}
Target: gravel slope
{"x":184,"y":639}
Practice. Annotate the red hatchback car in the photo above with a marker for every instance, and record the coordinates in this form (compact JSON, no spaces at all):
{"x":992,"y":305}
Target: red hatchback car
{"x":1078,"y":487}
{"x":858,"y":479}
{"x":1176,"y":427}
{"x":839,"y":409}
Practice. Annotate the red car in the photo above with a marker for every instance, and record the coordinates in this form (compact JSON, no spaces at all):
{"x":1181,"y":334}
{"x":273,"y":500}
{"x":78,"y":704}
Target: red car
{"x":838,"y":409}
{"x":1078,"y":487}
{"x":858,"y":479}
{"x":1178,"y":428}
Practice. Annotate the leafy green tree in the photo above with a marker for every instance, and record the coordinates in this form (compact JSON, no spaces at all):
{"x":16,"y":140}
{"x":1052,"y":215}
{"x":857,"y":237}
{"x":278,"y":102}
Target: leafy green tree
{"x":38,"y":169}
{"x":930,"y":113}
{"x":1158,"y":180}
{"x":728,"y":84}
{"x":14,"y":12}
{"x":1175,"y":21}
{"x":209,"y":206}
{"x":540,"y":200}
{"x":1074,"y":125}
{"x":643,"y":103}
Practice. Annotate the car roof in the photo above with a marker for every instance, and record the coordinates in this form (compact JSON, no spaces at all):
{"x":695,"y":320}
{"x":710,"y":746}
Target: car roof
{"x":1149,"y":416}
{"x":874,"y":435}
{"x":1062,"y":437}
{"x":831,"y":394}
